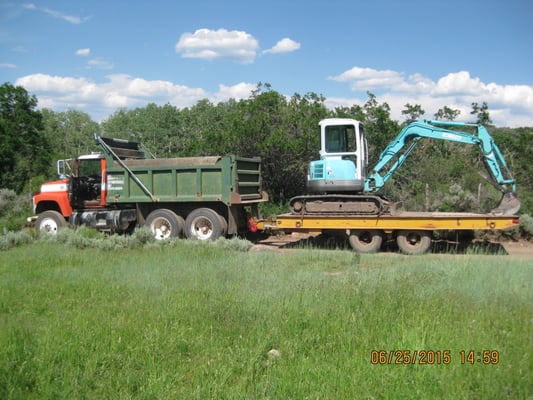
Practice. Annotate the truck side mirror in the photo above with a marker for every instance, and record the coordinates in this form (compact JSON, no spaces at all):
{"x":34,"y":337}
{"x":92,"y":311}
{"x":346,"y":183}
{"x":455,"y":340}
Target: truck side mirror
{"x":61,"y":169}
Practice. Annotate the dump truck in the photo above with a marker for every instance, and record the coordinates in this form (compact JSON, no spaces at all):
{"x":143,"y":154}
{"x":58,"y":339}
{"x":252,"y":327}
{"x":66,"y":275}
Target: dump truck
{"x":123,"y":187}
{"x":343,"y":191}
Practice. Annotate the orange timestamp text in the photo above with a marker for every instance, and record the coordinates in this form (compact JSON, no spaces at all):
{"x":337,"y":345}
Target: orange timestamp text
{"x":433,"y":357}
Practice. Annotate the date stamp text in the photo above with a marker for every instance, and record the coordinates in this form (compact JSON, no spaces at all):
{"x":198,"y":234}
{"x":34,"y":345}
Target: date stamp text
{"x":434,"y":357}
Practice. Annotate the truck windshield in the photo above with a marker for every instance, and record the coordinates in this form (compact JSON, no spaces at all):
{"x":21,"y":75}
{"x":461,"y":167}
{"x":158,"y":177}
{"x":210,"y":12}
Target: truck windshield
{"x":89,"y":167}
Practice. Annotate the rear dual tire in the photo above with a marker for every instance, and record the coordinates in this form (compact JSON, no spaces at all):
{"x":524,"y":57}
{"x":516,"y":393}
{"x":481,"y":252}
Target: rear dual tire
{"x":201,"y":224}
{"x":164,"y":224}
{"x":205,"y":224}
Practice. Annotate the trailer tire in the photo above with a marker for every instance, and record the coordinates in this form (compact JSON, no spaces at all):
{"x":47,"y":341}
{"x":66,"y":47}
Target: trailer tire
{"x":365,"y":240}
{"x":413,"y":242}
{"x":164,"y":224}
{"x":204,"y":224}
{"x":50,"y":222}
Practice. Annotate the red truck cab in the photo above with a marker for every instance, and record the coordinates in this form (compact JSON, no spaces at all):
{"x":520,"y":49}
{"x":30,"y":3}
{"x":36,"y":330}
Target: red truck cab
{"x":81,"y":184}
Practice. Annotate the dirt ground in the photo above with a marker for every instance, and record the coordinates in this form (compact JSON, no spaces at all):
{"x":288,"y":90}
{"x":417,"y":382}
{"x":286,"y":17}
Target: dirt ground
{"x":279,"y":242}
{"x":521,"y":249}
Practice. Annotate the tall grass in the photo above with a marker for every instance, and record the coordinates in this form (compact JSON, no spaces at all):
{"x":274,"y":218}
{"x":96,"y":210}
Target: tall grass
{"x":196,"y":321}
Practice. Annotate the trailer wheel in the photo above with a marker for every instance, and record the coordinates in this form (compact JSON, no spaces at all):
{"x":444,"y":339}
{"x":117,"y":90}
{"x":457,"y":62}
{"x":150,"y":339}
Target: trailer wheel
{"x":203,"y":224}
{"x":366,"y":240}
{"x":413,"y":242}
{"x":50,"y":222}
{"x":164,"y":224}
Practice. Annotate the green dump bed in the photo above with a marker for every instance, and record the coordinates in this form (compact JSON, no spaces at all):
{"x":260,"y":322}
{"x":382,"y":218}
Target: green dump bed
{"x":131,"y":178}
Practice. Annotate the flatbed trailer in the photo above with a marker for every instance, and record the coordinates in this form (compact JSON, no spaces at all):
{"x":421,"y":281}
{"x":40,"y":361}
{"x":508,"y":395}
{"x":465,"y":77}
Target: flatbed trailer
{"x":412,"y":230}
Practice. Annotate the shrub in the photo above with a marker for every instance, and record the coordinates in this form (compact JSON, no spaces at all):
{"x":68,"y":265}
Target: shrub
{"x":13,"y":210}
{"x":526,"y":226}
{"x":12,"y":239}
{"x":7,"y":199}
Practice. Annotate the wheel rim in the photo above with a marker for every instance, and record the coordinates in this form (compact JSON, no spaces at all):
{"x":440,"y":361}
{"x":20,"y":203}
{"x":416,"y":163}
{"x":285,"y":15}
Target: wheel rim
{"x":413,"y":238}
{"x":202,"y":228}
{"x":161,"y":228}
{"x":49,"y":225}
{"x":366,"y":238}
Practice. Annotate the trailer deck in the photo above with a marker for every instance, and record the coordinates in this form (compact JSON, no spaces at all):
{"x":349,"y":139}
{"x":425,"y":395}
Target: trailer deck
{"x":403,"y":220}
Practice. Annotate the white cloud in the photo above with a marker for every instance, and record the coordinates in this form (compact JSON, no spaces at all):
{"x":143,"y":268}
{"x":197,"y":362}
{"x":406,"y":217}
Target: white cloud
{"x":102,"y":99}
{"x":365,"y":78}
{"x":54,"y":84}
{"x":8,"y":65}
{"x":509,"y":105}
{"x":285,"y":45}
{"x":239,"y":91}
{"x":100,"y":64}
{"x":83,"y":52}
{"x":56,"y":14}
{"x":220,"y":44}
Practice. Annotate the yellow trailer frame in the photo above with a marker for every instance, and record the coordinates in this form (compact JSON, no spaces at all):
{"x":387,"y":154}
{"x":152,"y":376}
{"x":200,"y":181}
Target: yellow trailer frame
{"x":405,"y":220}
{"x":412,"y":229}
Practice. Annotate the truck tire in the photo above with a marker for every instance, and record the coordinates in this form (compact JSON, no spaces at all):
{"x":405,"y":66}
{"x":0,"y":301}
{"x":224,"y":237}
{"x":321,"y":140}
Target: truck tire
{"x":365,"y":240}
{"x":224,"y":225}
{"x":50,"y":222}
{"x":413,"y":242}
{"x":164,"y":224}
{"x":203,"y":224}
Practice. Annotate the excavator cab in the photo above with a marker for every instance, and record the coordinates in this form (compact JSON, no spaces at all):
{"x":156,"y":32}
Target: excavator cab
{"x":343,"y":158}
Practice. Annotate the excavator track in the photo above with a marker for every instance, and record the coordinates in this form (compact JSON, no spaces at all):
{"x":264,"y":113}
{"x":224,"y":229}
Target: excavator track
{"x":336,"y":204}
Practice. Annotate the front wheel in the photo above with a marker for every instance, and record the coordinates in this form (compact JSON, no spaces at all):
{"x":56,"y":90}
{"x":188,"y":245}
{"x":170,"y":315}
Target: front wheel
{"x":50,"y":222}
{"x":204,"y":224}
{"x":413,"y":242}
{"x":164,"y":224}
{"x":366,"y":240}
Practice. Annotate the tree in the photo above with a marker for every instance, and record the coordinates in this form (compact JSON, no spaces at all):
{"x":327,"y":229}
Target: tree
{"x":446,"y":113}
{"x":380,"y":129}
{"x":24,"y":150}
{"x":69,"y":133}
{"x":413,"y":112}
{"x":482,"y":113}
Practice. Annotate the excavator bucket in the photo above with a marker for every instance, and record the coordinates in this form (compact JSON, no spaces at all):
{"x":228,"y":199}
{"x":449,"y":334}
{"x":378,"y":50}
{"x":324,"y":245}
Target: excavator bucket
{"x":509,"y":205}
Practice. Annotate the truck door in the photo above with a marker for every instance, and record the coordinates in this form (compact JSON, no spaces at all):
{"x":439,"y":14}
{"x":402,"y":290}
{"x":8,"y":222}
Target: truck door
{"x":87,"y":183}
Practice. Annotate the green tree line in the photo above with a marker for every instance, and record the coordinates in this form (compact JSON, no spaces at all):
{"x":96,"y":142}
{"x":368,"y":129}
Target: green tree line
{"x":282,"y":131}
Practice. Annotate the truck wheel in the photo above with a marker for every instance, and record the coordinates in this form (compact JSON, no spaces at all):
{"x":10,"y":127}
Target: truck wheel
{"x":413,"y":242}
{"x":365,"y":240}
{"x":164,"y":224}
{"x":50,"y":222}
{"x":203,"y":224}
{"x":224,"y":225}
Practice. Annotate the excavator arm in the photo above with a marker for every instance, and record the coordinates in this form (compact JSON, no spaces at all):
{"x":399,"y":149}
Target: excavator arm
{"x":402,"y":146}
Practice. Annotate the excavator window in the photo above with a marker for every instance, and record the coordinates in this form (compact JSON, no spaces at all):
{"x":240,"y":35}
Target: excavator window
{"x":340,"y":139}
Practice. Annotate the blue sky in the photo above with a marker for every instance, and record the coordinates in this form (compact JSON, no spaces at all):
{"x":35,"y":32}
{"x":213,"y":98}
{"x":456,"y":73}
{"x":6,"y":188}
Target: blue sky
{"x":99,"y":56}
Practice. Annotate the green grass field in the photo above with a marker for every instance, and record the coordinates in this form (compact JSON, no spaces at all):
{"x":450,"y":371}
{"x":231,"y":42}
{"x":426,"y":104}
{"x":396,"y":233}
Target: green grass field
{"x":195,"y":321}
